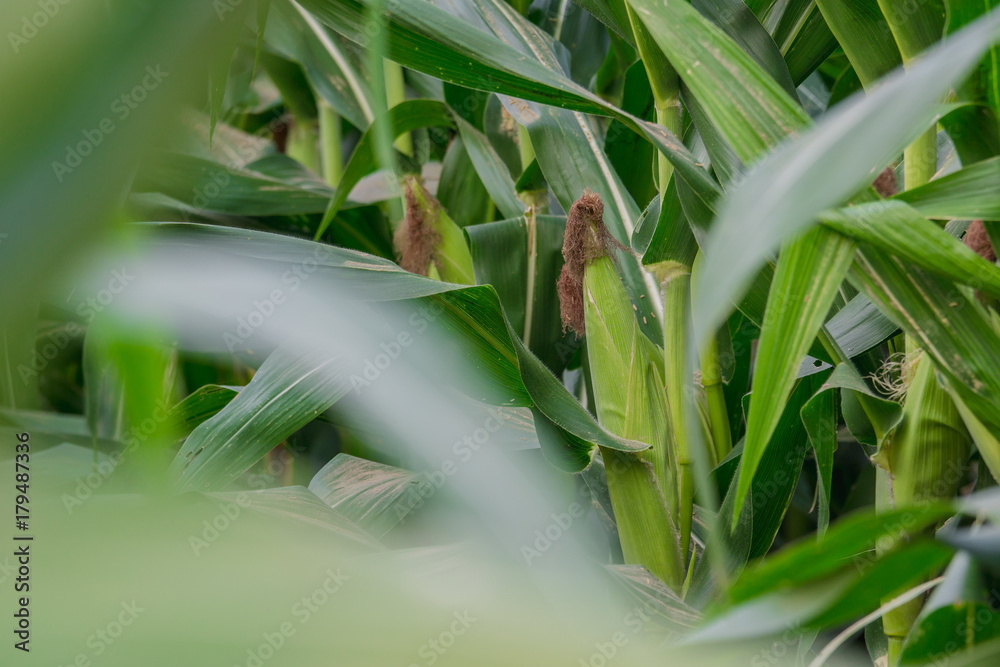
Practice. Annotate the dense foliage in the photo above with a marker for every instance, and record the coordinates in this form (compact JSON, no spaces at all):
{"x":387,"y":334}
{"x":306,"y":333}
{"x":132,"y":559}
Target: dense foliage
{"x":654,"y":331}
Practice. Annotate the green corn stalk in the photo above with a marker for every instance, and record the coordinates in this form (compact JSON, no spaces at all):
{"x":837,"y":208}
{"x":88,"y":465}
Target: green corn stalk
{"x":715,"y":397}
{"x":932,"y":434}
{"x":429,"y":242}
{"x":675,"y":279}
{"x":395,"y":92}
{"x":329,"y":130}
{"x":303,"y":142}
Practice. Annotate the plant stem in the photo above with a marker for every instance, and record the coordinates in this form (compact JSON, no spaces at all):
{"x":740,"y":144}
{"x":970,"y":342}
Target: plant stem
{"x":919,"y":164}
{"x":329,"y":131}
{"x":676,"y":300}
{"x":711,"y":380}
{"x":675,"y":278}
{"x":718,"y":416}
{"x":920,"y":159}
{"x":303,"y":142}
{"x":395,"y":92}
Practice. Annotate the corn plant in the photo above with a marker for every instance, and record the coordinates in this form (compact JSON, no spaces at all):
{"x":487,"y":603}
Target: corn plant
{"x":673,"y":319}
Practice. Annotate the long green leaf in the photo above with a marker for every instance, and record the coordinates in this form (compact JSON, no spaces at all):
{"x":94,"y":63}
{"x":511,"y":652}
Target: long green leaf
{"x":949,"y":325}
{"x":863,"y":33}
{"x":826,"y":166}
{"x":373,"y":495}
{"x":799,"y":302}
{"x":511,"y":374}
{"x":972,"y":192}
{"x":430,"y":40}
{"x":747,"y":106}
{"x":896,"y":228}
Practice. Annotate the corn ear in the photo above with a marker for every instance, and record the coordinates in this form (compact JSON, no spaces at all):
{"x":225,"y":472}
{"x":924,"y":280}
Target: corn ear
{"x":428,"y":241}
{"x":926,"y":457}
{"x":931,"y":447}
{"x":630,"y":404}
{"x":626,"y":382}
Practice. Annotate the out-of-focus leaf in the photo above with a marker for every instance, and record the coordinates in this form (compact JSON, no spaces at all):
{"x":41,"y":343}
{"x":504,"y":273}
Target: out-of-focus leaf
{"x":286,"y":393}
{"x":373,"y":495}
{"x":956,"y":615}
{"x":512,"y":374}
{"x":330,"y":67}
{"x":655,"y":598}
{"x":215,"y":187}
{"x":850,"y":543}
{"x":200,"y":406}
{"x":295,"y":504}
{"x":73,"y":151}
{"x":891,"y":575}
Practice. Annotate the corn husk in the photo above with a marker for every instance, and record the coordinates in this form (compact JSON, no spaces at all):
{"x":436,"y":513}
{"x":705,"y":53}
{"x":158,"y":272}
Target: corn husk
{"x":627,"y":384}
{"x":926,"y":458}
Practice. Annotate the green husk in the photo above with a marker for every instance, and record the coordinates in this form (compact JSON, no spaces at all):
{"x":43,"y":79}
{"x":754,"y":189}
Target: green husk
{"x":926,"y":458}
{"x":627,"y":385}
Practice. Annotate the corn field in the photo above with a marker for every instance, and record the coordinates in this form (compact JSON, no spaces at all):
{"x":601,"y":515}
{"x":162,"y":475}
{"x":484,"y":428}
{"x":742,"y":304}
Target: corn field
{"x":497,"y":332}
